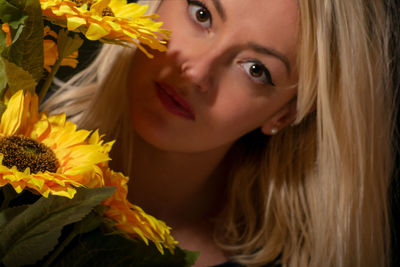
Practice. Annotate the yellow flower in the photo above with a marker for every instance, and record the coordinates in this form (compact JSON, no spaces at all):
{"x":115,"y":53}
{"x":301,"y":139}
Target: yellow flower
{"x":131,"y":219}
{"x":112,"y":21}
{"x":47,"y":154}
{"x":51,"y":52}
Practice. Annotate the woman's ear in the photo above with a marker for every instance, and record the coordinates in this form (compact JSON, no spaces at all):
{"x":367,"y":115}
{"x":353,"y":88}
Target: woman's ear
{"x":285,"y":116}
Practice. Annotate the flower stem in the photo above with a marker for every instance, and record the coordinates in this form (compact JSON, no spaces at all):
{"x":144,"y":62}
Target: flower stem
{"x":60,"y":248}
{"x":66,"y":45}
{"x":49,"y":79}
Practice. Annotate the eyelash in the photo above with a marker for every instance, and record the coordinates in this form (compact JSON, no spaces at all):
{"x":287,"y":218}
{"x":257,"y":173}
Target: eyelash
{"x":266,"y":80}
{"x":203,"y":6}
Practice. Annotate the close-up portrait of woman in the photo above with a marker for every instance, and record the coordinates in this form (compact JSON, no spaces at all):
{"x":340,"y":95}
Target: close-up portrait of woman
{"x":264,"y":135}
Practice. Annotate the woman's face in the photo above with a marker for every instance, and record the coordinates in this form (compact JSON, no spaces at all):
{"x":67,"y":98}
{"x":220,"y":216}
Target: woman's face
{"x":230,"y":68}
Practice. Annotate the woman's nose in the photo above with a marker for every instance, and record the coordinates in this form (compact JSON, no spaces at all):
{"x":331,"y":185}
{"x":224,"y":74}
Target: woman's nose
{"x":198,"y":72}
{"x":197,"y":63}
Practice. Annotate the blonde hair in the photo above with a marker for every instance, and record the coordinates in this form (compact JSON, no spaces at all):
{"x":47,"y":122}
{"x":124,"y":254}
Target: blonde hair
{"x":316,"y":193}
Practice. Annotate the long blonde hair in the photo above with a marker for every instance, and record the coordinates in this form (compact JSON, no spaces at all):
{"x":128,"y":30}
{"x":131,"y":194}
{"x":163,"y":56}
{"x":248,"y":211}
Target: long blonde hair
{"x":316,"y":193}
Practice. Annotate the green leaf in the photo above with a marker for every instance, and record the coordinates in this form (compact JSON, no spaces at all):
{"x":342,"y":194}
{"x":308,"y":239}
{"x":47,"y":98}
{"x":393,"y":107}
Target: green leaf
{"x":16,"y":33}
{"x":2,"y":39}
{"x":90,"y":221}
{"x":98,"y":249}
{"x":35,"y":232}
{"x":191,"y":257}
{"x":3,"y":108}
{"x":3,"y":76}
{"x":17,"y":78}
{"x":8,"y":214}
{"x":11,"y":12}
{"x":26,"y":50}
{"x":67,"y":45}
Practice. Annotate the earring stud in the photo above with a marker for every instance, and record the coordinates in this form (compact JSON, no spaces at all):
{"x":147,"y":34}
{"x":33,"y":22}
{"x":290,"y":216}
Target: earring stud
{"x":274,"y":131}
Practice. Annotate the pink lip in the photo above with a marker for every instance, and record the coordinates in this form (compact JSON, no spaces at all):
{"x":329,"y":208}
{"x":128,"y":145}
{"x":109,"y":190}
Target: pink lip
{"x":173,"y":102}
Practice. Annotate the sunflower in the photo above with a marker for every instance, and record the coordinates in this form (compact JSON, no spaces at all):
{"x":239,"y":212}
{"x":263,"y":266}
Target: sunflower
{"x":131,"y":219}
{"x":113,"y":21}
{"x":46,"y":154}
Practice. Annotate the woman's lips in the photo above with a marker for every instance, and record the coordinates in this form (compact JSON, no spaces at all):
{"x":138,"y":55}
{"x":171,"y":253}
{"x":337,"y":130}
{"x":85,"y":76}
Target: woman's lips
{"x":173,"y":102}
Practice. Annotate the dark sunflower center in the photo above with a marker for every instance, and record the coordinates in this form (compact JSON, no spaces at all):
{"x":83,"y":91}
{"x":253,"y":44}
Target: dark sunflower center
{"x":108,"y":12}
{"x":80,"y":3}
{"x":24,"y":152}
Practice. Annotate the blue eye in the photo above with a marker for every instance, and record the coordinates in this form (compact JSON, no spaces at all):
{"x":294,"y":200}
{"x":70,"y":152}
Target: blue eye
{"x":199,"y":12}
{"x":258,"y":72}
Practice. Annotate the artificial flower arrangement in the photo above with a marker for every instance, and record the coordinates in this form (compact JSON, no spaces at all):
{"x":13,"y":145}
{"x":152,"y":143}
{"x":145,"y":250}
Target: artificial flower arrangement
{"x":61,"y":204}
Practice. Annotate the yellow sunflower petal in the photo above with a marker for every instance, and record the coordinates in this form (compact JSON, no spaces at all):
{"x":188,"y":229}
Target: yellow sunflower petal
{"x":65,"y":10}
{"x":6,"y":29}
{"x":58,"y":120}
{"x":131,"y":219}
{"x":91,"y":156}
{"x":99,"y":6}
{"x":124,"y":10}
{"x":48,"y":32}
{"x":107,"y":20}
{"x":50,"y":54}
{"x":94,"y":137}
{"x":71,"y":62}
{"x":40,"y":129}
{"x":12,"y":117}
{"x":69,"y":192}
{"x":75,"y":22}
{"x":96,"y":32}
{"x":114,"y":26}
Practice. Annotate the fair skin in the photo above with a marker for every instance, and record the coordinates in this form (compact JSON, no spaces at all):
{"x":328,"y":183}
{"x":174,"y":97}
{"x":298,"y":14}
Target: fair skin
{"x":229,"y":69}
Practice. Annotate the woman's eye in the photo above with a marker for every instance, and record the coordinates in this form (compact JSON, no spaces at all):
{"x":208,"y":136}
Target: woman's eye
{"x":199,"y":13}
{"x":258,"y":72}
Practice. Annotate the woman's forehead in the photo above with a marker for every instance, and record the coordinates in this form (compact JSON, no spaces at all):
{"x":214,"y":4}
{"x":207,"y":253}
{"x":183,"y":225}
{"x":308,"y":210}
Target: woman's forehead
{"x":274,"y":23}
{"x":261,"y":15}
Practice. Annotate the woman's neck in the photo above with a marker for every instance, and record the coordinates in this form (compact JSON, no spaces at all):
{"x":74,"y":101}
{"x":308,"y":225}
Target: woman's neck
{"x":179,"y":188}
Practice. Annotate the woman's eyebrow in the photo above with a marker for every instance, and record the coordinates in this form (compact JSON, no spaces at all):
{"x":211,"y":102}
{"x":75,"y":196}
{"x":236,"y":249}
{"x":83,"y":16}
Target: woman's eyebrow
{"x":271,"y":52}
{"x":220,"y":9}
{"x":256,"y":47}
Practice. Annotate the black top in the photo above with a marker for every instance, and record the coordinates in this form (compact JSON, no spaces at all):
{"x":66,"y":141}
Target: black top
{"x":228,"y":264}
{"x":234,"y":264}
